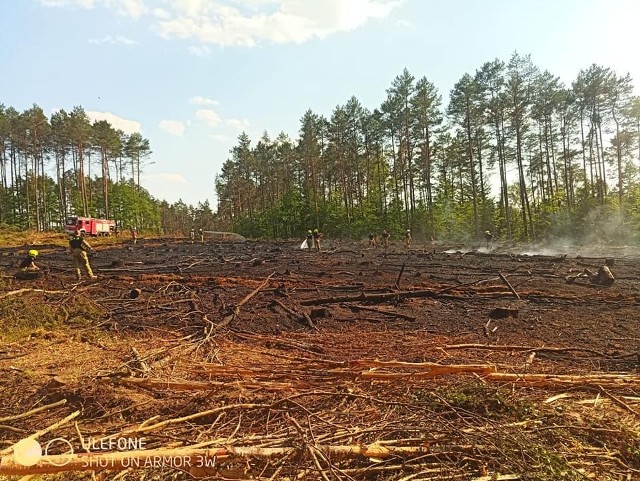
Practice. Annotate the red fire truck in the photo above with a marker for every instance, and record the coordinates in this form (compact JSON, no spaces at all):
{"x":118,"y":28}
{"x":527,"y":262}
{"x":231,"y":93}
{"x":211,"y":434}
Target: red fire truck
{"x":88,"y":226}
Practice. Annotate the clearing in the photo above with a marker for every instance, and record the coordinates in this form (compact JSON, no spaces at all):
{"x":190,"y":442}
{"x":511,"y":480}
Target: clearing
{"x":262,"y":361}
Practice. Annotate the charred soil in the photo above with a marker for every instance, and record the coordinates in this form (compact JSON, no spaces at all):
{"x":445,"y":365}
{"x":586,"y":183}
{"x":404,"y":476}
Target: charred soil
{"x":352,"y":363}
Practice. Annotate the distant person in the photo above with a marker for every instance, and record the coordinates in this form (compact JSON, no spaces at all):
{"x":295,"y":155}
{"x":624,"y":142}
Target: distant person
{"x":134,"y":235}
{"x":79,"y":248}
{"x":309,"y":239}
{"x":201,"y":233}
{"x":385,"y":238}
{"x":488,"y":237}
{"x":372,"y":240}
{"x":316,"y":239}
{"x":407,"y":238}
{"x":29,"y":262}
{"x":192,"y":235}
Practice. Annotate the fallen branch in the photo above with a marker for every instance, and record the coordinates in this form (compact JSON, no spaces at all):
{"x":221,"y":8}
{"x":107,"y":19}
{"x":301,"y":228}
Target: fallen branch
{"x":209,"y":385}
{"x":369,"y":297}
{"x":611,"y":381}
{"x":25,"y":290}
{"x":386,"y":313}
{"x":187,"y":457}
{"x":504,"y":279}
{"x":304,"y":318}
{"x":399,"y":276}
{"x":495,"y":347}
{"x":236,"y":310}
{"x":42,"y":432}
{"x":62,"y":402}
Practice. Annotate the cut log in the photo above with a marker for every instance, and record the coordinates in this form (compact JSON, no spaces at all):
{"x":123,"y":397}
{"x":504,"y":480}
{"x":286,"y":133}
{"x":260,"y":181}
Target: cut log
{"x":181,"y":458}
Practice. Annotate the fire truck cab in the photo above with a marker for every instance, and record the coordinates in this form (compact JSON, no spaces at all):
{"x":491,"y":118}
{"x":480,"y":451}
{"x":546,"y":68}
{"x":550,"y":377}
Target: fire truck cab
{"x":88,"y":226}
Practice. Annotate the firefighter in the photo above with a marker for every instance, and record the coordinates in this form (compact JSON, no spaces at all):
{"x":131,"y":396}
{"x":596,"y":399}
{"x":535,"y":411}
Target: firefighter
{"x":79,"y":248}
{"x":309,"y":239}
{"x":134,"y":235}
{"x":316,"y":239}
{"x":201,"y":233}
{"x":28,"y":263}
{"x":407,"y":238}
{"x":372,"y":240}
{"x":385,"y":238}
{"x":488,"y":237}
{"x":192,"y":235}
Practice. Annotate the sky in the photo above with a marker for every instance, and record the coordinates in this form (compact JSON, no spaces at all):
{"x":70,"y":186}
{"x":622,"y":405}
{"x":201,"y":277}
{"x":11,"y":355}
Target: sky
{"x":191,"y":75}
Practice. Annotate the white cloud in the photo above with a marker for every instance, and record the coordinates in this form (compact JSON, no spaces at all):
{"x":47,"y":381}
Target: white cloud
{"x":161,"y":13}
{"x":127,"y":126}
{"x":118,"y":39}
{"x":173,"y":127}
{"x":199,"y":100}
{"x":246,"y":22}
{"x":238,"y":124}
{"x":208,"y":116}
{"x":199,"y":50}
{"x":403,"y":23}
{"x":166,"y":177}
{"x":129,"y":8}
{"x":295,"y":21}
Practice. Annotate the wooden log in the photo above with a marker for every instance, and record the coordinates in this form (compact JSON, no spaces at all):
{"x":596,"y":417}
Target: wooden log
{"x":609,"y":381}
{"x":510,"y":347}
{"x":432,"y":371}
{"x":185,"y":458}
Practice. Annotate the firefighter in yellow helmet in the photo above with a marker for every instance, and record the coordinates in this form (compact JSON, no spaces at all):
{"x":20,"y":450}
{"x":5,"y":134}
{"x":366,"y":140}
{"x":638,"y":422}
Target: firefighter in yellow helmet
{"x":29,"y":262}
{"x":79,"y":248}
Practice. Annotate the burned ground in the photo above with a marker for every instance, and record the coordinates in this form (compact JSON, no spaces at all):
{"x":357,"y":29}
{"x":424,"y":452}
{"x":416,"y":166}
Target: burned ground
{"x":350,"y":364}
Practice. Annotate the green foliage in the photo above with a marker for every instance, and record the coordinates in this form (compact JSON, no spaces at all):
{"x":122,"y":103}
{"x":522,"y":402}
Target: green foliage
{"x":399,"y":167}
{"x":24,"y":316}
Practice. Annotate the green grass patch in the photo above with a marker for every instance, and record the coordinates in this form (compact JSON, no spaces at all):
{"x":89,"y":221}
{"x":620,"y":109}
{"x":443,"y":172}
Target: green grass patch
{"x":476,"y":398}
{"x":33,"y":315}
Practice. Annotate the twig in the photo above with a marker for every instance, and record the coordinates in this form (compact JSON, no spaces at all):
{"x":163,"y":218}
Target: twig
{"x":236,"y":310}
{"x":62,"y":402}
{"x":619,"y":401}
{"x":44,"y":431}
{"x":386,"y":313}
{"x":300,"y":317}
{"x":25,"y":290}
{"x":504,"y":279}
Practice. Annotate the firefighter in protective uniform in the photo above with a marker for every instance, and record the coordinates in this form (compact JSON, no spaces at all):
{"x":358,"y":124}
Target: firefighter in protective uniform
{"x":407,"y":238}
{"x":309,"y":239}
{"x":29,"y":262}
{"x":79,"y":248}
{"x":316,"y":239}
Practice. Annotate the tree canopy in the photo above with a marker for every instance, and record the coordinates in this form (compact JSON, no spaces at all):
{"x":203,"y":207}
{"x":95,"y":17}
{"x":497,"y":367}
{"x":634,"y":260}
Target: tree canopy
{"x":514,"y":151}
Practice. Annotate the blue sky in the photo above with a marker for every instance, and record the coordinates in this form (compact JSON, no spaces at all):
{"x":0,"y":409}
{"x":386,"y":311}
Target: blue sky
{"x":190,"y":75}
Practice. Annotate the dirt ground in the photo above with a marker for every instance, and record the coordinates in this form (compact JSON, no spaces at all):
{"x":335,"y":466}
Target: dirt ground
{"x":428,"y":363}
